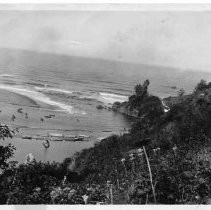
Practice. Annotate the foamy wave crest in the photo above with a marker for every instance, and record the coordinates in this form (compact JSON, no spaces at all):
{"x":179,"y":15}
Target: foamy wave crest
{"x":6,"y":75}
{"x":111,"y":98}
{"x":107,"y":98}
{"x":46,"y":89}
{"x":37,"y":96}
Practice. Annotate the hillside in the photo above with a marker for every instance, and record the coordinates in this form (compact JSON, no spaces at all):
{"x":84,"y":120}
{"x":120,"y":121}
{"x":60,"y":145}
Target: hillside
{"x":185,"y":126}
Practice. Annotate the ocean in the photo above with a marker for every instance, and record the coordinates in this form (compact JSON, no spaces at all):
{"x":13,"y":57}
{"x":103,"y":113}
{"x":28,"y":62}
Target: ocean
{"x":70,"y":88}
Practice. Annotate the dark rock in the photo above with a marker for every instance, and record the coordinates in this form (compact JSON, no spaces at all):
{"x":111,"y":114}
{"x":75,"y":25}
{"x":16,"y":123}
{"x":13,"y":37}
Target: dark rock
{"x":100,"y":107}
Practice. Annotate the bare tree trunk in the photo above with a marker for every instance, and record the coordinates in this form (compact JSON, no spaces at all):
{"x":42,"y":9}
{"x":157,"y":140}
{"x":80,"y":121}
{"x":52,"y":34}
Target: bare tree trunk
{"x":150,"y":174}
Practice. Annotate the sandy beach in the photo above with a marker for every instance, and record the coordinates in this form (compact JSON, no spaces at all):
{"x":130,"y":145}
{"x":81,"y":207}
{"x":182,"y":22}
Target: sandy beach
{"x":30,"y":119}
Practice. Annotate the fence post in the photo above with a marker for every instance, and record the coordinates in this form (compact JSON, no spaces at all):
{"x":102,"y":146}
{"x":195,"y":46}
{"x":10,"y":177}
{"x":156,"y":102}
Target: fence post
{"x":150,"y":174}
{"x":111,"y":194}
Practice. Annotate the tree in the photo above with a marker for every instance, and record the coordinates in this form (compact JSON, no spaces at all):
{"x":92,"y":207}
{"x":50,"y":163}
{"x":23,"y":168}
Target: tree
{"x":142,"y":90}
{"x":141,"y":93}
{"x":201,"y":86}
{"x":5,"y":151}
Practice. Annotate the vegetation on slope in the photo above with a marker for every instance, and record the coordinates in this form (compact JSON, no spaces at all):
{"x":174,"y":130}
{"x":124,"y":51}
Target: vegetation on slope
{"x":164,"y":159}
{"x":186,"y":125}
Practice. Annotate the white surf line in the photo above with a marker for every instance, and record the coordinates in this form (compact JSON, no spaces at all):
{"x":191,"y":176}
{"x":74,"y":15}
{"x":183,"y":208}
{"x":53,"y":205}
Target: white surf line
{"x":111,"y":97}
{"x":37,"y":96}
{"x":6,"y":75}
{"x":47,"y":89}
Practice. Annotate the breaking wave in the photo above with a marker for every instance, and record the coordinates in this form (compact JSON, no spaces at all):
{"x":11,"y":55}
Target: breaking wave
{"x":6,"y":75}
{"x":37,"y":96}
{"x":106,"y":98}
{"x":47,"y":89}
{"x":111,"y":97}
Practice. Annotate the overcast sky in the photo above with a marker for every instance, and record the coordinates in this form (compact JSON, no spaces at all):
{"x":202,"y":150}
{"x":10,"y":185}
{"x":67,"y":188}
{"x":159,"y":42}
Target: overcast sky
{"x":175,"y":38}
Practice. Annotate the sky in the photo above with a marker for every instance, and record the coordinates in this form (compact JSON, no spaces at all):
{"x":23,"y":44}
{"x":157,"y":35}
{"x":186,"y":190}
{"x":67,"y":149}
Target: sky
{"x":168,"y":38}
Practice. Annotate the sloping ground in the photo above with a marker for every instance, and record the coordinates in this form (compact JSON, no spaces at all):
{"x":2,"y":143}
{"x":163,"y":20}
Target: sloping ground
{"x":186,"y":125}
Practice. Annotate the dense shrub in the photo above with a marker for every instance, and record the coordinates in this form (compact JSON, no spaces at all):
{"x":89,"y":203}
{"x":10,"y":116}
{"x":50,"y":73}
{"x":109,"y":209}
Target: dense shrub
{"x":5,"y":151}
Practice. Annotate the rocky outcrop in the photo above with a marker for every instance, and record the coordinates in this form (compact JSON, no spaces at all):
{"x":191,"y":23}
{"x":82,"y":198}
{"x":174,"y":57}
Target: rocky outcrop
{"x":140,"y":104}
{"x":123,"y":108}
{"x":100,"y":107}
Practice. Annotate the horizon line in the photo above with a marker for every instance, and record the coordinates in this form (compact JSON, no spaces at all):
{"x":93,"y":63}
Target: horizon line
{"x":109,"y":60}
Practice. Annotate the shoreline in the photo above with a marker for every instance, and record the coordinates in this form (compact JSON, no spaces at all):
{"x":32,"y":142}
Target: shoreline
{"x":42,"y":132}
{"x":96,"y":125}
{"x":61,"y":132}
